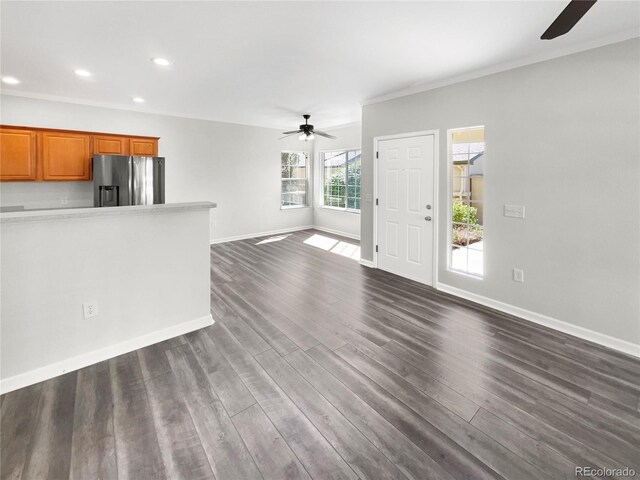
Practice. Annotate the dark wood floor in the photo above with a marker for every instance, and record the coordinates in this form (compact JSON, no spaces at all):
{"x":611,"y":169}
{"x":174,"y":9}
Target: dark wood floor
{"x":320,"y":368}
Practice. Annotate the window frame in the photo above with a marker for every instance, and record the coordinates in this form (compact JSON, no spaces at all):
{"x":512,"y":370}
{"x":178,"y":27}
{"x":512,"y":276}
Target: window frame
{"x":306,"y":180}
{"x":450,"y":222}
{"x":321,"y":154}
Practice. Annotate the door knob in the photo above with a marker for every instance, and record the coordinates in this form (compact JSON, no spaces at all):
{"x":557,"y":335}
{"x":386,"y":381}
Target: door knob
{"x":428,"y":207}
{"x":428,"y":219}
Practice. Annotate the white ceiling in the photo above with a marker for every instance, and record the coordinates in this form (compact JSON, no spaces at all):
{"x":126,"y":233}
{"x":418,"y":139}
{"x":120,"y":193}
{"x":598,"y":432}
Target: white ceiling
{"x":266,"y":63}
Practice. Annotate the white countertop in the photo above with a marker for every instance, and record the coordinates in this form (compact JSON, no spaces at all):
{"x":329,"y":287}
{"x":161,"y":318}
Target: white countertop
{"x":67,"y":213}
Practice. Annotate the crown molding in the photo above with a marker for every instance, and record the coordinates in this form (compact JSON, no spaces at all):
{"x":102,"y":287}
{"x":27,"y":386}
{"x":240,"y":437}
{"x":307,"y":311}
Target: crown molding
{"x":134,"y":109}
{"x":561,"y":52}
{"x":506,"y":66}
{"x":128,"y":108}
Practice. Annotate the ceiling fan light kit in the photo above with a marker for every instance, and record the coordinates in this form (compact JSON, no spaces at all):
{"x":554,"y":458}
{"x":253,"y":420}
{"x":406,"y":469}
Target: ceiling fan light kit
{"x":306,"y":131}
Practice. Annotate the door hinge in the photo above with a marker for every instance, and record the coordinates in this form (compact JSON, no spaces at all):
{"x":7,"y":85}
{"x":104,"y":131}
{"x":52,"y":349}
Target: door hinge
{"x":376,"y":154}
{"x":376,"y":248}
{"x":376,"y":202}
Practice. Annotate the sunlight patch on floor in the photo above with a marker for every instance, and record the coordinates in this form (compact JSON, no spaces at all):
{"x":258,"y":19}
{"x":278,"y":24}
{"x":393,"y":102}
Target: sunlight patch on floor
{"x":320,"y":241}
{"x":273,"y":239}
{"x":348,"y":250}
{"x":345,"y":249}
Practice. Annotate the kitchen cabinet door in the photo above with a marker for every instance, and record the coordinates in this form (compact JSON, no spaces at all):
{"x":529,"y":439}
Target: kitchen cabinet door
{"x":18,"y":154}
{"x":66,"y":156}
{"x":110,"y":145}
{"x":147,"y":147}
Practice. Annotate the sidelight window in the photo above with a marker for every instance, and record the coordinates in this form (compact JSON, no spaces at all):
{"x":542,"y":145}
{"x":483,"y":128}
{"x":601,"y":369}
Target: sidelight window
{"x":466,"y":195}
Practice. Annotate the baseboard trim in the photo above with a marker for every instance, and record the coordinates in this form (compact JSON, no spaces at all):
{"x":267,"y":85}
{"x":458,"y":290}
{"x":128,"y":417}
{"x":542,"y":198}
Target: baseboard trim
{"x":544,"y":320}
{"x":337,"y":232}
{"x":84,"y":360}
{"x":260,"y":234}
{"x":367,"y":263}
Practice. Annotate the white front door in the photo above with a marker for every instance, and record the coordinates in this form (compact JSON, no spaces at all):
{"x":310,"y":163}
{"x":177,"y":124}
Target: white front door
{"x":406,"y":213}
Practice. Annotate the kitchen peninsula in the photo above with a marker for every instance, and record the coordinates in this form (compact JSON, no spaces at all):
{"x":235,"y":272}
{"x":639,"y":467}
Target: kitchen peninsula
{"x":143,"y":269}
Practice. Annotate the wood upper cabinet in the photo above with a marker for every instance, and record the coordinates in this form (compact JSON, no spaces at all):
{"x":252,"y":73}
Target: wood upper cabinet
{"x":37,"y":154}
{"x":66,"y":156}
{"x":110,"y":145}
{"x":143,"y":147}
{"x":18,"y":154}
{"x":117,"y":145}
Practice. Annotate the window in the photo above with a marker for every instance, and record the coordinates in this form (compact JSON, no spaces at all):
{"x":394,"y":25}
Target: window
{"x":341,"y":179}
{"x":293,"y":168}
{"x":466,"y":174}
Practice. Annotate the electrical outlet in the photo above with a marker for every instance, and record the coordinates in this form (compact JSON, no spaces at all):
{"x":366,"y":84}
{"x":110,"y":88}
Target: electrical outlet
{"x":90,"y":309}
{"x":515,"y":211}
{"x":518,"y":275}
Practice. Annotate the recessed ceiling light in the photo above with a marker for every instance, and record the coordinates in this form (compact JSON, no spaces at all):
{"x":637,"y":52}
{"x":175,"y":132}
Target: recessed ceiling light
{"x":163,"y":62}
{"x":10,"y":80}
{"x":138,"y":99}
{"x":82,"y":73}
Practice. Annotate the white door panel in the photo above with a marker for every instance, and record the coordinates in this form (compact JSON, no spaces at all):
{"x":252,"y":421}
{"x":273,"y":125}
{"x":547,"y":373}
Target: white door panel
{"x":405,"y":188}
{"x":393,"y":189}
{"x":414,"y":186}
{"x":391,"y":246}
{"x":414,"y":243}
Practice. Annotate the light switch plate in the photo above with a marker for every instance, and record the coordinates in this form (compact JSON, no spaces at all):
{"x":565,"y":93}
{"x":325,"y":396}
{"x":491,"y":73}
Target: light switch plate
{"x":515,"y":211}
{"x":518,"y":275}
{"x":368,"y":198}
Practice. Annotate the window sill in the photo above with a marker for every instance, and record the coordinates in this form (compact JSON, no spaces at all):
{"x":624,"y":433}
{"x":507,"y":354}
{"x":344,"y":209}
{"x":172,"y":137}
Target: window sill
{"x":466,"y":274}
{"x":338,"y":209}
{"x":294,"y":207}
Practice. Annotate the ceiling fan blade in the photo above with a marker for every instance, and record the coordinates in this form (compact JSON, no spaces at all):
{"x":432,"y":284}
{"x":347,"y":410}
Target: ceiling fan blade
{"x":567,"y":18}
{"x":323,"y":134}
{"x":291,"y":132}
{"x":290,"y":135}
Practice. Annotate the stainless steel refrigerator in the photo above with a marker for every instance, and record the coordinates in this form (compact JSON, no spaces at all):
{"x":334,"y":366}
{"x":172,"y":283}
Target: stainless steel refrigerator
{"x":124,"y":180}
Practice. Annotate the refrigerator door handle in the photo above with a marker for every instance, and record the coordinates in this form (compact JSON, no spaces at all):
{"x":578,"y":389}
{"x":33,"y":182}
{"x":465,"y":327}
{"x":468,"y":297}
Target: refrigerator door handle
{"x":158,"y":180}
{"x":135,"y":180}
{"x":129,"y":183}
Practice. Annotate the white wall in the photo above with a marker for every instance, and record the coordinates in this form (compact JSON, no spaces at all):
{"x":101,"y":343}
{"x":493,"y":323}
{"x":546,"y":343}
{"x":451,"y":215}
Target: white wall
{"x":236,"y":166}
{"x":331,"y":219}
{"x":148,"y":273}
{"x":561,"y":139}
{"x":46,"y":194}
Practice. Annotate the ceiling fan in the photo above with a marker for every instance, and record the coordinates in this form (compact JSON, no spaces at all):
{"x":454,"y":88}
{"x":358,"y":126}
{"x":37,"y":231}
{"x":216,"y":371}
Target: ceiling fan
{"x":567,"y":19}
{"x":306,"y":131}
